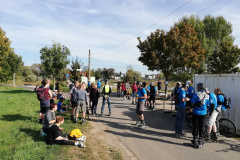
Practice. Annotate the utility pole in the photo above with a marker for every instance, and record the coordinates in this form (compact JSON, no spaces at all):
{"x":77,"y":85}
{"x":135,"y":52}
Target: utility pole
{"x":89,"y":76}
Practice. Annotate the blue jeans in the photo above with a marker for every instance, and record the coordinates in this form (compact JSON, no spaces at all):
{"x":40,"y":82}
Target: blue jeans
{"x":179,"y":119}
{"x":109,"y":104}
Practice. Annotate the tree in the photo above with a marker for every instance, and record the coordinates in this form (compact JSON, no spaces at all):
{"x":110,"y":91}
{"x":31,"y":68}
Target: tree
{"x":76,"y":64}
{"x":26,"y":70}
{"x":225,"y":59}
{"x":132,"y":75}
{"x":105,"y":73}
{"x":111,"y":72}
{"x":12,"y":64}
{"x":212,"y":31}
{"x":37,"y":69}
{"x":168,"y":51}
{"x":97,"y":73}
{"x":54,"y":59}
{"x":5,"y":48}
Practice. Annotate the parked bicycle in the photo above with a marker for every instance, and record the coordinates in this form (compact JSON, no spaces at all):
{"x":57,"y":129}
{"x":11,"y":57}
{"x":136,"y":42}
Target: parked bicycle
{"x":226,"y":127}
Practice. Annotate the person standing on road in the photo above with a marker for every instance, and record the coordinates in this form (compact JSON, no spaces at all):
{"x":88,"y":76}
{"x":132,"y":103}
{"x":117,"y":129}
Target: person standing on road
{"x":180,"y":108}
{"x":118,"y":88}
{"x":94,"y":95}
{"x":213,"y":111}
{"x":99,"y":85}
{"x":123,"y":91}
{"x":73,"y":102}
{"x":128,"y":90}
{"x":200,"y":101}
{"x":106,"y":92}
{"x":82,"y":101}
{"x":142,"y":95}
{"x":134,"y":91}
{"x":159,"y":84}
{"x":153,"y":93}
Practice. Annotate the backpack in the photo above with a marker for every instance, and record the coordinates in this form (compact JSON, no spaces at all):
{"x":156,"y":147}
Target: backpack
{"x":177,"y":101}
{"x":152,"y":90}
{"x":41,"y":94}
{"x":227,"y":102}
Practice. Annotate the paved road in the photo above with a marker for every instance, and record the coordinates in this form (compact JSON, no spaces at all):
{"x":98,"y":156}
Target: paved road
{"x":157,"y":141}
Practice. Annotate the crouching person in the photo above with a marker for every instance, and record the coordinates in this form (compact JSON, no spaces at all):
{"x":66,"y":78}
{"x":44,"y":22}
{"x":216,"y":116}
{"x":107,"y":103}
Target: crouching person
{"x":56,"y":136}
{"x":49,"y":119}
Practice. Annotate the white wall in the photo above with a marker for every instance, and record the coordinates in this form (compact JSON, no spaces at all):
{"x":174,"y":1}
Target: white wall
{"x":230,"y":86}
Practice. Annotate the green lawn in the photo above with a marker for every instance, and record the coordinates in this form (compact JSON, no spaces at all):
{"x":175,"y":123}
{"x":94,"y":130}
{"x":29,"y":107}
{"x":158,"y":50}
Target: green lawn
{"x":20,"y":131}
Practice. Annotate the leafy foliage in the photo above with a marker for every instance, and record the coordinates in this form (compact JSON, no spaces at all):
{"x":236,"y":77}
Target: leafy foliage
{"x":225,"y":59}
{"x":132,"y":75}
{"x":12,"y":64}
{"x":167,"y":51}
{"x":76,"y":64}
{"x":54,"y":59}
{"x":5,"y":48}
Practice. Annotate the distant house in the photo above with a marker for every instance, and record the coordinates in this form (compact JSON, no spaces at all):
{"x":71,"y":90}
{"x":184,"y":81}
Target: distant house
{"x":149,"y":77}
{"x":117,"y":77}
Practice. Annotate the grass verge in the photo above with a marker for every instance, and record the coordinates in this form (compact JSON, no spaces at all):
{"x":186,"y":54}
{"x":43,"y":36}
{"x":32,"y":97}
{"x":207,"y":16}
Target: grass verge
{"x":20,"y":131}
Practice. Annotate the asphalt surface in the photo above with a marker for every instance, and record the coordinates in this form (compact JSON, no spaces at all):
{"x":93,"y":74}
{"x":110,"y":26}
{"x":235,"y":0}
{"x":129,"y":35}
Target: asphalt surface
{"x":158,"y":141}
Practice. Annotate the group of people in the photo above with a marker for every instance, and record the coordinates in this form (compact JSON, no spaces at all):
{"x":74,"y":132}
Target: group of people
{"x":123,"y":90}
{"x":51,"y":123}
{"x":204,"y":105}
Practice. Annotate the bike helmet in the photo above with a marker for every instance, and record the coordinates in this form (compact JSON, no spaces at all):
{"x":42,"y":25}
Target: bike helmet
{"x":139,"y":83}
{"x":201,"y":86}
{"x":188,"y":82}
{"x":152,"y":83}
{"x":185,"y":85}
{"x":178,"y":84}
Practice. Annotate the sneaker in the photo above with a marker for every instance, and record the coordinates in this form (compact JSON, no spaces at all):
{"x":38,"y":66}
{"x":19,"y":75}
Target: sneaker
{"x":76,"y":120}
{"x":138,"y":123}
{"x":82,"y":138}
{"x":80,"y":144}
{"x":83,"y":121}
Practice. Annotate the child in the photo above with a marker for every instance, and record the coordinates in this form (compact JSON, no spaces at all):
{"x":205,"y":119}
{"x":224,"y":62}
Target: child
{"x":60,"y":107}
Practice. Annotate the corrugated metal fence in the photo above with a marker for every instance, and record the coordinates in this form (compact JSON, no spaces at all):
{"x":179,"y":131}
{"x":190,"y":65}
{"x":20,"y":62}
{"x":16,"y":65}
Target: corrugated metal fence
{"x":230,"y":86}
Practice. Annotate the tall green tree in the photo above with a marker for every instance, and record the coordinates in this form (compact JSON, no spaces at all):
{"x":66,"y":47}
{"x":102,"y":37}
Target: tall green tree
{"x":166,"y":52}
{"x":12,"y":64}
{"x":76,"y":64}
{"x":54,"y":59}
{"x":105,"y":73}
{"x":5,"y":48}
{"x":37,"y":69}
{"x":212,"y":32}
{"x":225,"y":59}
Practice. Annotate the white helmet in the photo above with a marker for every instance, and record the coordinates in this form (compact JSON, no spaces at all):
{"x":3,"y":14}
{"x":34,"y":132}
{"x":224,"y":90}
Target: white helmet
{"x":188,"y":82}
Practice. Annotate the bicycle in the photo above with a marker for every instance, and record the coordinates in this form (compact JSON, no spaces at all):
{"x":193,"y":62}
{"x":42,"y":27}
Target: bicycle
{"x":225,"y":127}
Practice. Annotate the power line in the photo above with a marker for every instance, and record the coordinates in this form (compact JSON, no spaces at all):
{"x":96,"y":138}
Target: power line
{"x":208,"y":6}
{"x":146,"y":28}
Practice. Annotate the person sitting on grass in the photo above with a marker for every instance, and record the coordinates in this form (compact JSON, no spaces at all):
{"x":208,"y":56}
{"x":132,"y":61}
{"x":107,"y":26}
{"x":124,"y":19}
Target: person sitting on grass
{"x":56,"y":136}
{"x":60,"y":107}
{"x":49,"y":118}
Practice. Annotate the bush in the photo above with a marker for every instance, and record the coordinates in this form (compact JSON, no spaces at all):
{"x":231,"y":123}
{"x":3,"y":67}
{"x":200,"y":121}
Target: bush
{"x":31,"y":78}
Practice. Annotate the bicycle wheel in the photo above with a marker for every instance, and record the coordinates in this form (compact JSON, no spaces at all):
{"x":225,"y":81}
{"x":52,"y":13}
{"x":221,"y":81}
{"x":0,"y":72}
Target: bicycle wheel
{"x":227,"y":127}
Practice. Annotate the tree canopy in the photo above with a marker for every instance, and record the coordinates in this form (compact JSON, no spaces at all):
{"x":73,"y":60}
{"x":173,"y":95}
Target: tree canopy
{"x":166,"y":51}
{"x":54,"y":58}
{"x":76,"y":64}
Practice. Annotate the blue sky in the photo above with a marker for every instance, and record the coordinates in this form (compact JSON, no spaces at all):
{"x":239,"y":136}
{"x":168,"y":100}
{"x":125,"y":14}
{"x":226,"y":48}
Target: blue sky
{"x":100,"y":25}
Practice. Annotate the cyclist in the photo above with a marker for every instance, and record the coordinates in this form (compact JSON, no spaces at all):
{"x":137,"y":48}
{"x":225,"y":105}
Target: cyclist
{"x":220,"y":100}
{"x":199,"y":104}
{"x":106,"y":92}
{"x":212,"y":116}
{"x":148,"y":96}
{"x":128,"y":90}
{"x":118,"y":88}
{"x":180,"y":108}
{"x":159,"y":84}
{"x":142,"y":95}
{"x":134,"y":91}
{"x":153,"y":92}
{"x":99,"y":85}
{"x":190,"y":92}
